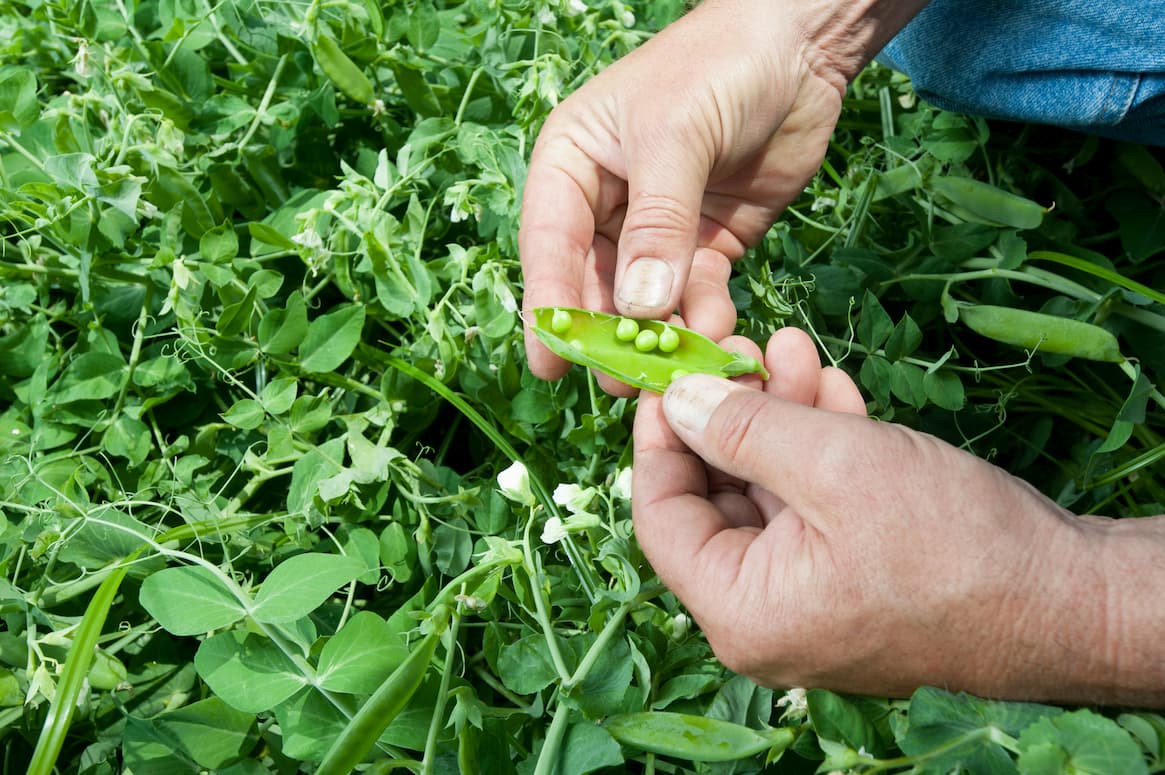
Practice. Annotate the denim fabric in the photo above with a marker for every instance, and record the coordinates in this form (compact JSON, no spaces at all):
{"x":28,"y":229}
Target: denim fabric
{"x":1093,"y":65}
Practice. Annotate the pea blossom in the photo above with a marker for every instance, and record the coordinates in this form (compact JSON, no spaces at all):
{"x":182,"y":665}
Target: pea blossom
{"x":514,"y":483}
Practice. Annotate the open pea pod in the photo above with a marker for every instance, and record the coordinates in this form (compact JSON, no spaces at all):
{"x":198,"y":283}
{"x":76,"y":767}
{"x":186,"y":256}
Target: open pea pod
{"x":646,"y":354}
{"x":695,"y":738}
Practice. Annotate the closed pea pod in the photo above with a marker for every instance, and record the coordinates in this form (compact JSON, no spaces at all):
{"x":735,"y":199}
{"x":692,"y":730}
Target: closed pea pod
{"x":342,"y":71}
{"x":985,"y":202}
{"x":1042,"y":332}
{"x":695,"y":738}
{"x":362,"y":732}
{"x":594,"y":340}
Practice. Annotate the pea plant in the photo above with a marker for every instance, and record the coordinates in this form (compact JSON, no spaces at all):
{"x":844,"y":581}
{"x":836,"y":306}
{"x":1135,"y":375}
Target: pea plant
{"x":278,"y":493}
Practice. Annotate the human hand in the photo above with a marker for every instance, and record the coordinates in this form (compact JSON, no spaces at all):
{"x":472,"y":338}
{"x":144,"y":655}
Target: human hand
{"x":650,"y":179}
{"x":817,"y":547}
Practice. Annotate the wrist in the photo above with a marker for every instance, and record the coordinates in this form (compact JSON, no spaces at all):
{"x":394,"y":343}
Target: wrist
{"x":1096,"y":625}
{"x":844,"y":36}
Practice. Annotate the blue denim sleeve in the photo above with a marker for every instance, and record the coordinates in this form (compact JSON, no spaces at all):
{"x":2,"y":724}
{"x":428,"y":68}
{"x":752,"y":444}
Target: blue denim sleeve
{"x":1092,"y":65}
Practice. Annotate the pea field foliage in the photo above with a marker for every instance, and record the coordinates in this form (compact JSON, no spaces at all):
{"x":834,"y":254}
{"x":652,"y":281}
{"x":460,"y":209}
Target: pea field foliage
{"x":279,"y":494}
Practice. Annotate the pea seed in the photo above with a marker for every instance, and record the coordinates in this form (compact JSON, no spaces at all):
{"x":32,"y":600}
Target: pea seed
{"x":560,"y":321}
{"x":646,"y":340}
{"x":669,"y":340}
{"x":627,"y":330}
{"x":593,"y":341}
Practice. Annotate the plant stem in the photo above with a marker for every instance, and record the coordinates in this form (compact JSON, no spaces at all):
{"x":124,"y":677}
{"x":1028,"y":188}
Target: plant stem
{"x":435,"y":723}
{"x":548,"y":757}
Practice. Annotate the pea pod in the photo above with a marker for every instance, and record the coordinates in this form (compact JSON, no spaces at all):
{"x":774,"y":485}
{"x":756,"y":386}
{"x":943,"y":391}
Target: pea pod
{"x":695,"y":738}
{"x":1042,"y":332}
{"x":350,"y":747}
{"x":654,"y":354}
{"x":985,"y":202}
{"x":342,"y":71}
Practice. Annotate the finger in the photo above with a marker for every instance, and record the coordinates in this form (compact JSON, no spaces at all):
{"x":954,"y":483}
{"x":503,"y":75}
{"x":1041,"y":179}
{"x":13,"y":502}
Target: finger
{"x":837,"y":392}
{"x":693,"y":546}
{"x":555,"y":238}
{"x":791,"y":358}
{"x":705,"y":303}
{"x":806,"y":456}
{"x":668,"y":157}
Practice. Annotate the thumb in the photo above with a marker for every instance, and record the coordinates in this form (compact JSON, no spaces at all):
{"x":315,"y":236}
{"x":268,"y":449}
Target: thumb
{"x":666,"y":178}
{"x":795,"y":451}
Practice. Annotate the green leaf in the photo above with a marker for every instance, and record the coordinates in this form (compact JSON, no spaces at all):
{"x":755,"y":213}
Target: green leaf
{"x":875,"y":324}
{"x":246,"y":413}
{"x":247,"y":671}
{"x":525,"y":666}
{"x":587,"y":748}
{"x":219,"y":245}
{"x":92,"y":376}
{"x":903,"y":340}
{"x":130,"y":438}
{"x":278,"y":395}
{"x":300,"y":584}
{"x":959,"y":728}
{"x":104,"y":536}
{"x":18,"y":105}
{"x":836,"y":718}
{"x":209,"y":731}
{"x":190,"y":600}
{"x":282,"y":330}
{"x":1080,"y":742}
{"x":331,"y":338}
{"x":361,"y":655}
{"x":944,"y":389}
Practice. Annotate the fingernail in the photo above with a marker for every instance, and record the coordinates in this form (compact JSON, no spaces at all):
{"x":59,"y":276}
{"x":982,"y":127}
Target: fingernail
{"x":690,"y":401}
{"x":647,"y":283}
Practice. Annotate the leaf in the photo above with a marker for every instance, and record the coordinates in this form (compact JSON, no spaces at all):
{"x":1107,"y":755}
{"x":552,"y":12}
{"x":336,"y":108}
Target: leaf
{"x":128,"y":437}
{"x":314,"y":467}
{"x":247,"y":671}
{"x":103,"y":537}
{"x":300,"y":584}
{"x":209,"y":731}
{"x":331,"y":338}
{"x":587,"y":748}
{"x":961,"y":725}
{"x":903,"y":340}
{"x":282,"y":330}
{"x":875,"y":324}
{"x":92,"y":376}
{"x":944,"y":389}
{"x":525,"y":666}
{"x":1080,"y":742}
{"x":836,"y":718}
{"x":18,"y":105}
{"x":361,"y":655}
{"x":278,"y":395}
{"x":189,"y":600}
{"x":246,"y":413}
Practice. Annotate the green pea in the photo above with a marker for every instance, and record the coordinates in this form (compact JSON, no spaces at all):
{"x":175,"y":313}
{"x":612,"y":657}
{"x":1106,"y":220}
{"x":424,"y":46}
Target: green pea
{"x":595,"y":342}
{"x":984,"y":202}
{"x":627,"y":330}
{"x":695,"y":738}
{"x":1041,"y":332}
{"x":646,"y":340}
{"x":560,"y":321}
{"x":669,"y":340}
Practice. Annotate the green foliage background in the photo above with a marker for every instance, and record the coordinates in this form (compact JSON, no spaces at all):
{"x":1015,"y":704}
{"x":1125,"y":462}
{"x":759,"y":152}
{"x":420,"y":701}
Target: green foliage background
{"x":260,"y":366}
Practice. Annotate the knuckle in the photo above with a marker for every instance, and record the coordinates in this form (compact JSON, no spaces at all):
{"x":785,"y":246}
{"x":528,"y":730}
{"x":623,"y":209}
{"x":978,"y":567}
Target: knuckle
{"x":740,"y":420}
{"x":657,"y":214}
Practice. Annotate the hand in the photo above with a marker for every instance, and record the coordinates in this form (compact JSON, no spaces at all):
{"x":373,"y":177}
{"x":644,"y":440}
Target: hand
{"x":650,"y":179}
{"x":817,"y":547}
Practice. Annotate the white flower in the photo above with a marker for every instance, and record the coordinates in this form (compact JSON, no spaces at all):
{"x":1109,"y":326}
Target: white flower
{"x":680,"y":624}
{"x":628,"y":18}
{"x":574,"y":498}
{"x":554,"y":531}
{"x":514,"y":483}
{"x":621,"y":487}
{"x":81,"y":62}
{"x":796,"y":704}
{"x":575,"y":7}
{"x":309,"y":239}
{"x":546,"y":17}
